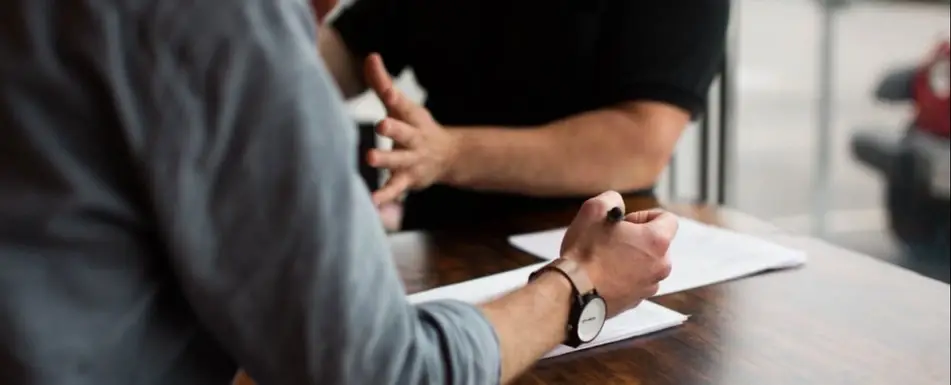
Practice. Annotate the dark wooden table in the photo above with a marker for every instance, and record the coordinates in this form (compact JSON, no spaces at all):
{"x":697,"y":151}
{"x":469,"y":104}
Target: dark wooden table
{"x":844,"y":318}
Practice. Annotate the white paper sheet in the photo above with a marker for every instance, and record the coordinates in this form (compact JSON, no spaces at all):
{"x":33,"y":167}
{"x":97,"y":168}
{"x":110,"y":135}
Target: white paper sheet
{"x":648,"y":317}
{"x":700,"y":254}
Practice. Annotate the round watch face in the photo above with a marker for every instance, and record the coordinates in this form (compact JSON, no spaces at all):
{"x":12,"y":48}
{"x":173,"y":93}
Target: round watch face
{"x":592,"y":319}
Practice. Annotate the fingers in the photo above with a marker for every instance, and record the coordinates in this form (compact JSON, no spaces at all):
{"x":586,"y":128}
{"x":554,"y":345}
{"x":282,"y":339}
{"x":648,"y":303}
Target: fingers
{"x":391,"y":215}
{"x":643,"y":216}
{"x":651,"y":290}
{"x":399,"y":131}
{"x":391,"y":159}
{"x":382,"y":84}
{"x":394,"y":187}
{"x":597,"y":208}
{"x":592,"y":211}
{"x":663,"y":270}
{"x":654,"y":230}
{"x":374,"y":73}
{"x":664,"y":224}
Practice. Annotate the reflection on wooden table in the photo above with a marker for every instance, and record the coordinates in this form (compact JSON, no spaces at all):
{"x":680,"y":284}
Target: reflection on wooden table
{"x":843,"y":319}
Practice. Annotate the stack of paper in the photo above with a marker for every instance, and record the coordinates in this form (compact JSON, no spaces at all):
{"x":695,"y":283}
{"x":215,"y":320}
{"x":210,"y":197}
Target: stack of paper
{"x":701,"y":255}
{"x":646,"y":318}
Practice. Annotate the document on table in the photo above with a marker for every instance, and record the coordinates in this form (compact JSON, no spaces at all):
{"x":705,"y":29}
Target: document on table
{"x":701,"y":254}
{"x":647,"y":318}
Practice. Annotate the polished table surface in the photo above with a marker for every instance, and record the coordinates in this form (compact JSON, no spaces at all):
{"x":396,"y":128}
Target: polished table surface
{"x":843,"y":318}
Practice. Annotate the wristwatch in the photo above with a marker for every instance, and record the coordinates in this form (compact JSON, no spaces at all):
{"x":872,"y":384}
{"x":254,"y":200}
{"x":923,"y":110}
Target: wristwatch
{"x":588,"y":310}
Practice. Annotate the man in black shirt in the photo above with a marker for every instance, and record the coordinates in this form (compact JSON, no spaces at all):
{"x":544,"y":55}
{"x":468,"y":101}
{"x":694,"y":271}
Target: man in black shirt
{"x":552,"y":99}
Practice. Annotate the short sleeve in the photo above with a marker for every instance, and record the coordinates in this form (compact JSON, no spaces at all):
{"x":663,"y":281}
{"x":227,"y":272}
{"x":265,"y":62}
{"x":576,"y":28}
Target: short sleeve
{"x":665,"y":51}
{"x":368,"y":26}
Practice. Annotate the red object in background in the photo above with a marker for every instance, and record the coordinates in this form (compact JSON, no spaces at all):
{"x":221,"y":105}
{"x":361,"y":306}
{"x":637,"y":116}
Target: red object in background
{"x":930,"y":91}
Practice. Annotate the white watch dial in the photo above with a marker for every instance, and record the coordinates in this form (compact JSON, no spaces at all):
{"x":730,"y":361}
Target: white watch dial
{"x":592,"y":320}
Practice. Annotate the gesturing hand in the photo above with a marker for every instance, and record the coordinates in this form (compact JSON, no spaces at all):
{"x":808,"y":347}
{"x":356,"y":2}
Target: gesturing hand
{"x":423,"y":150}
{"x":625,"y":260}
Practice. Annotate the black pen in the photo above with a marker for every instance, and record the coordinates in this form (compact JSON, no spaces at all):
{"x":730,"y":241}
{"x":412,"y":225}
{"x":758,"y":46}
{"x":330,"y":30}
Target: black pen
{"x":615,"y":215}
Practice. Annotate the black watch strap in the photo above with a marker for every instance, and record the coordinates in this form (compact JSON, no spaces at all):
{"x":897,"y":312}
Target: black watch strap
{"x":582,"y":292}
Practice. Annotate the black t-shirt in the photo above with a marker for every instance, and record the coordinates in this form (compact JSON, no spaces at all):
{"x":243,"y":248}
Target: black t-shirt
{"x":530,"y":62}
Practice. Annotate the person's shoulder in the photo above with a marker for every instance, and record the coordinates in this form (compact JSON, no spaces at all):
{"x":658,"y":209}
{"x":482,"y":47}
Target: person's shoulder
{"x":712,"y":11}
{"x":676,"y":20}
{"x":211,"y":22}
{"x":683,"y":6}
{"x":716,"y":12}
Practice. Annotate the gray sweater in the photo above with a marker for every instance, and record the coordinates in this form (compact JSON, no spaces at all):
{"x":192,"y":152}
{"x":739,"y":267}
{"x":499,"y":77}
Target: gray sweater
{"x":179,"y":198}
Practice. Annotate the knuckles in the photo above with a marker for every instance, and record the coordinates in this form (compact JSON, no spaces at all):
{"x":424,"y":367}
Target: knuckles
{"x":656,"y":243}
{"x":663,"y":269}
{"x":661,"y":244}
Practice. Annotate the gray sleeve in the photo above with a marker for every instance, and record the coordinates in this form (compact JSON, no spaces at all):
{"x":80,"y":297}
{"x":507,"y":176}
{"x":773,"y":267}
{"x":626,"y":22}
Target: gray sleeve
{"x":271,"y":232}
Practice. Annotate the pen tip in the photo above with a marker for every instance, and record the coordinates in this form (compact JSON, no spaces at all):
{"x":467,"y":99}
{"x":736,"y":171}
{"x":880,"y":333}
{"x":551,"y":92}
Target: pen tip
{"x":615,"y":214}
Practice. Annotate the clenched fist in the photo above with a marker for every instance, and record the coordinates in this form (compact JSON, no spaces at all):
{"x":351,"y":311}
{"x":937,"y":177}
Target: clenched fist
{"x":626,"y":260}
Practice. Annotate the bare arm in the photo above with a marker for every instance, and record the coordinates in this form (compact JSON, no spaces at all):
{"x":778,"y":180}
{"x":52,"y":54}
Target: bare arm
{"x":530,"y":322}
{"x":621,"y":148}
{"x":345,"y":68}
{"x":654,"y":66}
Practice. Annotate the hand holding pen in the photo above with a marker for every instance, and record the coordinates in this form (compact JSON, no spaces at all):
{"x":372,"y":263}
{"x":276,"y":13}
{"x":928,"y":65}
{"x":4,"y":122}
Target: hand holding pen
{"x":625,"y":260}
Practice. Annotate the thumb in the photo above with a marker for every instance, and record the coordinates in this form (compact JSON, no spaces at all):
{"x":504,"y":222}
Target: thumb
{"x":379,"y":79}
{"x":664,"y":224}
{"x":375,"y":75}
{"x":593,"y":210}
{"x":596,"y":209}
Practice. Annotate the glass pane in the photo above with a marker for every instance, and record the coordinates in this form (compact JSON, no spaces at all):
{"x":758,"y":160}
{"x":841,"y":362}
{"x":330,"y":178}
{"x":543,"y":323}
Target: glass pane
{"x":777,"y":143}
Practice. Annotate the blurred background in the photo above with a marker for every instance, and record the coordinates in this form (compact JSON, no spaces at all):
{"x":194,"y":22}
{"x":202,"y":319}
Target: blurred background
{"x":776,"y":114}
{"x":776,"y":168}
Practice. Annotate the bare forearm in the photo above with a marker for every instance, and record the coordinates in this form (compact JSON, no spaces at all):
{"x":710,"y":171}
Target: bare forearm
{"x":343,"y":65}
{"x":530,"y":322}
{"x":582,"y":155}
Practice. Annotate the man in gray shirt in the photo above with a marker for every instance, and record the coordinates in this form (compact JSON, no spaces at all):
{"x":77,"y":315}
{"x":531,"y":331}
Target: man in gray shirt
{"x":179,"y":198}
